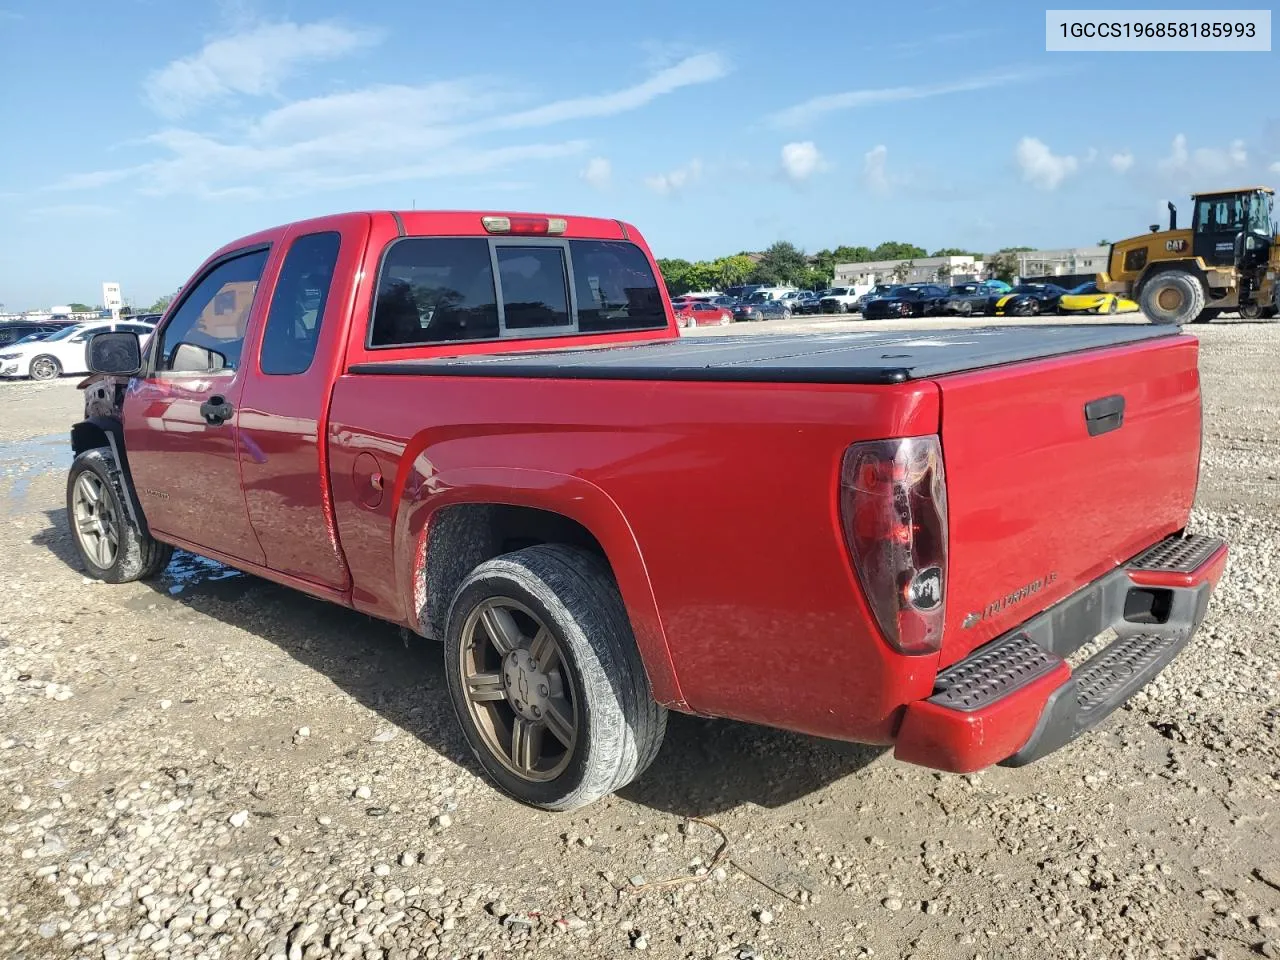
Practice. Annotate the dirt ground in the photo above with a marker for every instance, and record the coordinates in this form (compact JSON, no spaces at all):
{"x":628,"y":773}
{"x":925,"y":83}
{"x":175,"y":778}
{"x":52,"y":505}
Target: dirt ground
{"x":213,"y":766}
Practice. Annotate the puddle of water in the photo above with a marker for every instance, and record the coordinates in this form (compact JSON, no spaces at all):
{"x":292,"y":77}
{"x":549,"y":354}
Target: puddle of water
{"x":187,"y":573}
{"x":21,"y":461}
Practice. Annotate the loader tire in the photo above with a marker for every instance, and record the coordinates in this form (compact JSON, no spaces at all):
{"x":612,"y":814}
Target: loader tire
{"x":1172,"y":297}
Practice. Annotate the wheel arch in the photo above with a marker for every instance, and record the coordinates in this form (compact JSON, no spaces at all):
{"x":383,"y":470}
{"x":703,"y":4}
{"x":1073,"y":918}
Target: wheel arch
{"x":479,"y":513}
{"x":98,"y":431}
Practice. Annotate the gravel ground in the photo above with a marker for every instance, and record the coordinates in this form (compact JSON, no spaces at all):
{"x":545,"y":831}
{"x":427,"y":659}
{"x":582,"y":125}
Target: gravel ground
{"x":213,"y":766}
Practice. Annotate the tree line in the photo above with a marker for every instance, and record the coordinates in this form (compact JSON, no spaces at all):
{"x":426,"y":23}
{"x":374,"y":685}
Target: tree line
{"x":785,"y":264}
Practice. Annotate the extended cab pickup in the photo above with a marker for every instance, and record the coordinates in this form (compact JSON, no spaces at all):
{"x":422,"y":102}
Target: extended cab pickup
{"x":486,"y":429}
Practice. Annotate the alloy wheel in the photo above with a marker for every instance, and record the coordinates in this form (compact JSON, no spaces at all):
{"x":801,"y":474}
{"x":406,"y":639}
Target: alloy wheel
{"x":97,"y":526}
{"x":517,"y":687}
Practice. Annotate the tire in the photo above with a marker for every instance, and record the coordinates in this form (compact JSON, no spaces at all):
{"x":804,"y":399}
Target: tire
{"x":725,"y":321}
{"x":1207,"y":314}
{"x":44,"y":367}
{"x":617,"y":727}
{"x":1112,"y":307}
{"x":136,"y":556}
{"x":1032,"y":308}
{"x":966,"y":311}
{"x":1182,"y":294}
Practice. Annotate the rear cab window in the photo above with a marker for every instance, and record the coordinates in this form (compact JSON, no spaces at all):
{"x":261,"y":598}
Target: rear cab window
{"x":440,"y":290}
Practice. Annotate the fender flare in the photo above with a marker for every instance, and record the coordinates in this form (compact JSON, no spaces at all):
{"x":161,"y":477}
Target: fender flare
{"x":95,"y":432}
{"x":426,"y":492}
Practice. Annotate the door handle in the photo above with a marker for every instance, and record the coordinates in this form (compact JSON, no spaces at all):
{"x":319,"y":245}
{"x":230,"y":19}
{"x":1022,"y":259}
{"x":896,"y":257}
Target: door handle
{"x":216,"y":410}
{"x":1104,"y":414}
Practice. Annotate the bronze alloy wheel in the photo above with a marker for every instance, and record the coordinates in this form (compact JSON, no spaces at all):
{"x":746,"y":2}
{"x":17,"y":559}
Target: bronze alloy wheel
{"x":517,"y":689}
{"x":95,"y":522}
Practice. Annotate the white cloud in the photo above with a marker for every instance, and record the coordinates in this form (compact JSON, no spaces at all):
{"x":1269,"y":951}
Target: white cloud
{"x":817,"y":107}
{"x":801,"y":160}
{"x":1091,"y":155}
{"x":874,"y":169}
{"x":252,"y":62}
{"x":1121,"y":162}
{"x":702,"y":68}
{"x":1275,"y":167}
{"x":1203,"y":162}
{"x":378,"y":134}
{"x":1040,"y":166}
{"x":598,"y":173}
{"x":675,"y":180}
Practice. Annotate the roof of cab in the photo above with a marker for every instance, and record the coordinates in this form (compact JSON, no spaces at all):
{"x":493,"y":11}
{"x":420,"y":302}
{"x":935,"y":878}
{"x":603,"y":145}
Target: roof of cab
{"x":448,"y":223}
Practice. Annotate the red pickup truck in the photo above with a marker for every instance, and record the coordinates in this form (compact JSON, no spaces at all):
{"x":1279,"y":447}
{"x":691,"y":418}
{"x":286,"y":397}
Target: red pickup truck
{"x":487,"y":428}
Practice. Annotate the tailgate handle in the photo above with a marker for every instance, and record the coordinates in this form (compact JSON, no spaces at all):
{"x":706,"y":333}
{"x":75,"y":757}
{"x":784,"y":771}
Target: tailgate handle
{"x":1104,"y":414}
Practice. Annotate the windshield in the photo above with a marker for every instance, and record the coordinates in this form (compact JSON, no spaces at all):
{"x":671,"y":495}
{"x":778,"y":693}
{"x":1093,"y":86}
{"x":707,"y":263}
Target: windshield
{"x":1260,"y":213}
{"x":1029,"y":288}
{"x":967,"y":288}
{"x":66,"y":333}
{"x":838,"y":292}
{"x":1090,"y":287}
{"x":30,"y":338}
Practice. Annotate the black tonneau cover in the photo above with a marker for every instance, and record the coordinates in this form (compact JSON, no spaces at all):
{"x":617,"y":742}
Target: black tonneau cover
{"x":857,"y":357}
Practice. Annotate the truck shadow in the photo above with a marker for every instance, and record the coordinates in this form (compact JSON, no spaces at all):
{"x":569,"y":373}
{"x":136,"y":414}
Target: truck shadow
{"x":705,"y":766}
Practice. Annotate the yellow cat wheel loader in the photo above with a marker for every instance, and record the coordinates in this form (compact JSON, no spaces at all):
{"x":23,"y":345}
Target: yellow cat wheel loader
{"x":1226,"y":259}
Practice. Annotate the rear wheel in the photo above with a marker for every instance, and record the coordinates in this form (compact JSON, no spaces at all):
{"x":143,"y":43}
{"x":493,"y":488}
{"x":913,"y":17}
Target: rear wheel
{"x":1172,"y":297}
{"x":111,"y":545}
{"x":966,"y":310}
{"x":546,"y":680}
{"x":45,"y":367}
{"x":1111,"y":306}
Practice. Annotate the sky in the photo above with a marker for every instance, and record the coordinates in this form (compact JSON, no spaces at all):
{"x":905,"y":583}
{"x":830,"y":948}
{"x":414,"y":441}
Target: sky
{"x":138,"y":136}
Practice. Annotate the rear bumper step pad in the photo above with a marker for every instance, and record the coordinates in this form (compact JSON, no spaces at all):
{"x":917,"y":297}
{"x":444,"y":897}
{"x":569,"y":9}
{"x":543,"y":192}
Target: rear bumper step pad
{"x":1015,"y":699}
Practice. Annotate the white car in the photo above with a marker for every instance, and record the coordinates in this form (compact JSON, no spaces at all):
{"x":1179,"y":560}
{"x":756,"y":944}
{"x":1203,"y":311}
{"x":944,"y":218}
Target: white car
{"x":62,"y":352}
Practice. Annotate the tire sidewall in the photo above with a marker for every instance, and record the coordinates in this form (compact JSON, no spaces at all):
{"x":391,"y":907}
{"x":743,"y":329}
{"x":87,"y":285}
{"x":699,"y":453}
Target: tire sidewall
{"x":562,"y":791}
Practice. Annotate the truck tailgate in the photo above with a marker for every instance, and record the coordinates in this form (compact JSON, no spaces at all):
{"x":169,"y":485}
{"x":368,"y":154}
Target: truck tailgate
{"x":1041,"y":499}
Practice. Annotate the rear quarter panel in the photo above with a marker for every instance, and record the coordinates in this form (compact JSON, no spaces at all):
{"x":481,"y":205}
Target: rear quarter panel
{"x":715,"y":502}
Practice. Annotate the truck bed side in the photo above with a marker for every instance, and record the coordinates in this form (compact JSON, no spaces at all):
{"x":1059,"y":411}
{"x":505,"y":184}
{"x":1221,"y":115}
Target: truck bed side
{"x":715,"y":503}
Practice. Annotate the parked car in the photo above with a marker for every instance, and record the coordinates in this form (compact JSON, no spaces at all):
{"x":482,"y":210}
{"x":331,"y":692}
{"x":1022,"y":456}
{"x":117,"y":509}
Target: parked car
{"x":11,"y":331}
{"x":776,"y":310}
{"x":1087,"y":298}
{"x":1026,"y":300}
{"x":875,"y":293}
{"x":60,"y":352}
{"x":809,"y":304}
{"x":967,"y":299}
{"x":839,"y":300}
{"x":699,"y":313}
{"x":457,"y":453}
{"x":749,"y":310}
{"x":908,"y":300}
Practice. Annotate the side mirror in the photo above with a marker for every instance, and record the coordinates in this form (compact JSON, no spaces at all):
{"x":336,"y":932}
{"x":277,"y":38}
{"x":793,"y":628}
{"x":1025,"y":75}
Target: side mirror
{"x":117,"y":353}
{"x":192,"y":358}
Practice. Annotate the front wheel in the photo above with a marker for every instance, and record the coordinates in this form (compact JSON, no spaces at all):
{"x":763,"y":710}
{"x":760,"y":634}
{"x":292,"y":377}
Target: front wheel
{"x":111,"y":545}
{"x":546,"y":679}
{"x":45,"y":367}
{"x":1173,"y":297}
{"x":1032,"y":308}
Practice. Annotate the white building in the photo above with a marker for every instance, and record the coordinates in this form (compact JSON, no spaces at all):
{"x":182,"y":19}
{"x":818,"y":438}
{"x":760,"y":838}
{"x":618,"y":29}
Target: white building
{"x":1071,"y":261}
{"x":111,"y":299}
{"x":922,"y":270}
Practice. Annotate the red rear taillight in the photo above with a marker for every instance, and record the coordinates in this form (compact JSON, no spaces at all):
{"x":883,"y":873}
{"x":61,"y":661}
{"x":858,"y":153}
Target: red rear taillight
{"x":893,"y":507}
{"x":525,"y":226}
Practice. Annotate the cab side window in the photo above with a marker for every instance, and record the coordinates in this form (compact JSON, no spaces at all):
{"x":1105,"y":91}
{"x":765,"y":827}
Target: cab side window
{"x":297,"y":306}
{"x":206,"y":333}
